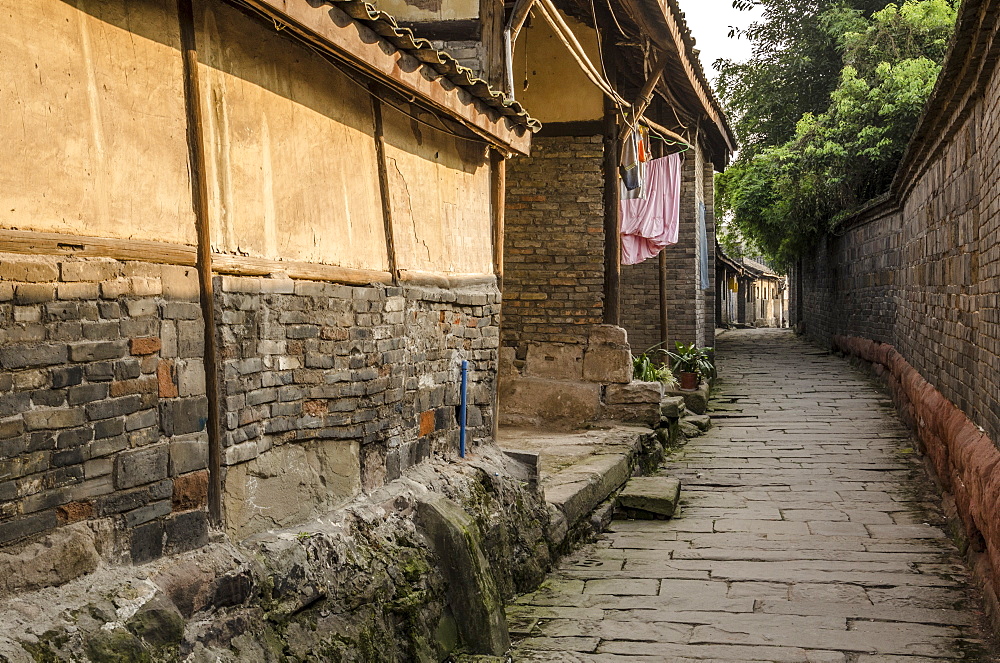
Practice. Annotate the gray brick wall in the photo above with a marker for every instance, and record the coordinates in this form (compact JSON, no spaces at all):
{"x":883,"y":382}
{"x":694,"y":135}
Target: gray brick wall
{"x":554,"y":242}
{"x":926,"y":278}
{"x":319,"y":361}
{"x":102,"y":400}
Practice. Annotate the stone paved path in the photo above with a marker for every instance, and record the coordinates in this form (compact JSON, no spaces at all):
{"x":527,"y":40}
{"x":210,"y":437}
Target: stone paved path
{"x":808,"y":533}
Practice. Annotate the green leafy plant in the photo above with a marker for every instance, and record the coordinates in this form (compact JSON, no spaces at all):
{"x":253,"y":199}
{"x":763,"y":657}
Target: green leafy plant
{"x":824,"y":112}
{"x":647,"y":369}
{"x":691,"y":359}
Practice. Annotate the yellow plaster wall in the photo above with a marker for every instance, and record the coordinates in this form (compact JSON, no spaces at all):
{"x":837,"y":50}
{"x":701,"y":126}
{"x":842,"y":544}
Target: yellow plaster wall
{"x":93,"y":122}
{"x":440,"y":196}
{"x":292,"y":163}
{"x":558,"y":90}
{"x":430,"y":10}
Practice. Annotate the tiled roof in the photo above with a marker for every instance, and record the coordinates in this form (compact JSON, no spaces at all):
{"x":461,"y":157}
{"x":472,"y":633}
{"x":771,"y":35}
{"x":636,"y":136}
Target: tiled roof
{"x":386,"y":27}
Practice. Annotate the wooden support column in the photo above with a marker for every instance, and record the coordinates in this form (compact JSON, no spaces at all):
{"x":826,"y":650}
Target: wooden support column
{"x":383,"y":185}
{"x":664,"y":301}
{"x":612,"y":224}
{"x":498,"y":203}
{"x":199,"y":194}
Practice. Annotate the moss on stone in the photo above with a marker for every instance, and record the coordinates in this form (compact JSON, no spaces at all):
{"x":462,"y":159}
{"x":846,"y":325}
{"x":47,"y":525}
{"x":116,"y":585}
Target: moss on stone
{"x":117,"y":646}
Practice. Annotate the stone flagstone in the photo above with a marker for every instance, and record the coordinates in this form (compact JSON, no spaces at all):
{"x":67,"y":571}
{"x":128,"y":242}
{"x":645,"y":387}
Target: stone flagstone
{"x":807,"y":532}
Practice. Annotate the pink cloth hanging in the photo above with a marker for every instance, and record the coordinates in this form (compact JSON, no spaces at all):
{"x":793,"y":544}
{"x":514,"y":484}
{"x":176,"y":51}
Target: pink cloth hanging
{"x":649,"y":224}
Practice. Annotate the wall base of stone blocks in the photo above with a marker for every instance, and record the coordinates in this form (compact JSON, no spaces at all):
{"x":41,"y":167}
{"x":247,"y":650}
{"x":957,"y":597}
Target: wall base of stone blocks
{"x":362,"y":584}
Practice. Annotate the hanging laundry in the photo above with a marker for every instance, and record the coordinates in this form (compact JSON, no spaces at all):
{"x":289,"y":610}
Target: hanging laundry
{"x":649,"y":224}
{"x":632,"y":168}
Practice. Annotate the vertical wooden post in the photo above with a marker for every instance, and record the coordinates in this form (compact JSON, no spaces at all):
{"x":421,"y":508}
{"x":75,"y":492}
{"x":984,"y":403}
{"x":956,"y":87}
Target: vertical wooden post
{"x":664,"y":301}
{"x":612,"y":225}
{"x":498,"y":202}
{"x":383,"y":185}
{"x":491,"y":13}
{"x":199,"y":194}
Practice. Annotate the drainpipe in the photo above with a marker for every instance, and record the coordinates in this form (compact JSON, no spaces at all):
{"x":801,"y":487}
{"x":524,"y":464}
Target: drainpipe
{"x":463,"y":410}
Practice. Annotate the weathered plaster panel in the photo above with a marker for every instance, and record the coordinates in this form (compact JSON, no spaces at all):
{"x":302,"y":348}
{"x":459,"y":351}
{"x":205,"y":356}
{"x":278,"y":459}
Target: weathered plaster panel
{"x":292,"y":163}
{"x":558,"y":90}
{"x":289,"y":485}
{"x":94,"y":131}
{"x":440,"y":192}
{"x":430,"y":10}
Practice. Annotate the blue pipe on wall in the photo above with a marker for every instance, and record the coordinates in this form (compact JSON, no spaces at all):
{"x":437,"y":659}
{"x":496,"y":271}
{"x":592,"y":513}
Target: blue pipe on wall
{"x":463,"y":409}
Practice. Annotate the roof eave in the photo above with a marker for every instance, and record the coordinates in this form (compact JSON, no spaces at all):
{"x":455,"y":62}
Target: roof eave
{"x":343,"y":37}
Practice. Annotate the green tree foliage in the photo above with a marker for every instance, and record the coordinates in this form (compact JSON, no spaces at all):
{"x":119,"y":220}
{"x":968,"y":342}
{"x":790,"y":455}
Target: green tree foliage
{"x":794,"y":179}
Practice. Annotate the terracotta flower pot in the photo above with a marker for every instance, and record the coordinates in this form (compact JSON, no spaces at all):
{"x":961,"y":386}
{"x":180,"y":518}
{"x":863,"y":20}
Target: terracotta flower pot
{"x":689,"y":381}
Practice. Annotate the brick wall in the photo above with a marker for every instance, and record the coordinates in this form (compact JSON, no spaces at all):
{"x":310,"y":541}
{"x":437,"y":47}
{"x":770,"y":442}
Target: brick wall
{"x":102,"y":400}
{"x":373,"y":371}
{"x":924,"y":275}
{"x":103,"y":403}
{"x":641,"y":304}
{"x":554,"y":242}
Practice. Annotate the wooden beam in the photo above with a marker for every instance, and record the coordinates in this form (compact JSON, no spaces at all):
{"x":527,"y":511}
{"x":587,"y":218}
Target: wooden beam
{"x":340,"y":36}
{"x":612,"y":241}
{"x":199,"y":191}
{"x":491,"y":37}
{"x":518,"y":17}
{"x":383,"y":185}
{"x":645,"y":96}
{"x":498,"y":202}
{"x":664,"y":300}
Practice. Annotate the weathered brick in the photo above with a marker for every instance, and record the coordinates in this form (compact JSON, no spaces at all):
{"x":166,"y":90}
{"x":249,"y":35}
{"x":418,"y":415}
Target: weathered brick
{"x":87,"y":393}
{"x":183,"y":415}
{"x":188,"y":453}
{"x":13,"y":530}
{"x":113,"y":407}
{"x":34,"y":293}
{"x":28,"y":356}
{"x":147,"y":542}
{"x":23,"y":268}
{"x":144,"y":514}
{"x":47,"y":419}
{"x":144,"y":346}
{"x":144,"y":466}
{"x":165,"y":379}
{"x":90,"y":270}
{"x":78,"y":291}
{"x":74,"y":512}
{"x":186,"y":531}
{"x":97,"y":351}
{"x":190,"y":491}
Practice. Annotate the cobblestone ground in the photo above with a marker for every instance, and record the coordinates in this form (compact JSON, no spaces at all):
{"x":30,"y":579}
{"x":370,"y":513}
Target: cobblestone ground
{"x":808,"y":532}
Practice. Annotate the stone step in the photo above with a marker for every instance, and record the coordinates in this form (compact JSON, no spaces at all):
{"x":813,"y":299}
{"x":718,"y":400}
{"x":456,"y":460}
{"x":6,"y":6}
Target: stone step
{"x":650,"y":497}
{"x":702,"y":421}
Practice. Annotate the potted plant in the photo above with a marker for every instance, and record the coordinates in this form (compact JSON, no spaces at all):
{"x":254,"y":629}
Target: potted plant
{"x":648,"y":368}
{"x":691,"y":363}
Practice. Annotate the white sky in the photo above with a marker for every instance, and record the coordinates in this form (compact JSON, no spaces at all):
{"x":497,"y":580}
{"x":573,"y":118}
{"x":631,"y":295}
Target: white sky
{"x":709,"y":21}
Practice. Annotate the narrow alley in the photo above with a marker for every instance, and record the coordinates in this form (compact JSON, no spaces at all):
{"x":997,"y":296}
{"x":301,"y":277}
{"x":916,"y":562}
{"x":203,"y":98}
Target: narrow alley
{"x":808,"y":532}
